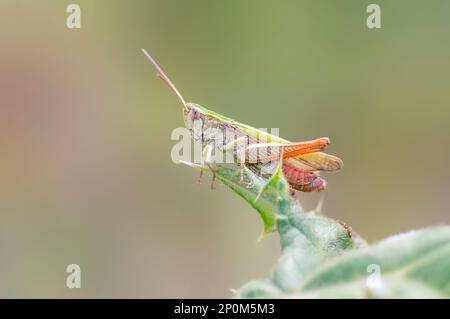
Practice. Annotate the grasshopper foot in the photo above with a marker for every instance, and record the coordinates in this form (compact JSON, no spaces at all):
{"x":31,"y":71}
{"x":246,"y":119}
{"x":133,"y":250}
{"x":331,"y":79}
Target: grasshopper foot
{"x":199,"y":179}
{"x":213,"y":180}
{"x":293,"y":192}
{"x":212,"y":167}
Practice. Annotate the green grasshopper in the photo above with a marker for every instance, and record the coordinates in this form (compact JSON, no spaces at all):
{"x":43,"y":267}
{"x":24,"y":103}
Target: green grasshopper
{"x":254,"y":148}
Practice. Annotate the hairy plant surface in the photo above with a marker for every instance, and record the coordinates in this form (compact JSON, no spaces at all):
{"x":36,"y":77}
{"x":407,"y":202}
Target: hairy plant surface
{"x":323,"y":258}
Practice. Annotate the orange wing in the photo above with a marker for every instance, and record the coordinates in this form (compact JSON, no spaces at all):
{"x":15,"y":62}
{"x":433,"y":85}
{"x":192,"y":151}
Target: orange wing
{"x":266,"y":152}
{"x":306,"y":156}
{"x":316,"y":161}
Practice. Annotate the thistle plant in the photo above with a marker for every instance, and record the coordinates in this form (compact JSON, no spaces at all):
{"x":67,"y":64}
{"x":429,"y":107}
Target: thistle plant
{"x":324,"y":258}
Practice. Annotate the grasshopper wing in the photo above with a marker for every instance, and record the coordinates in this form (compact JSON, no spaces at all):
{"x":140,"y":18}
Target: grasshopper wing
{"x":317,"y":161}
{"x":267,"y":152}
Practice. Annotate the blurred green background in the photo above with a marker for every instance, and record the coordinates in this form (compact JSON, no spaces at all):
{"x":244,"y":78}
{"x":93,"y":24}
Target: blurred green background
{"x":86,"y":175}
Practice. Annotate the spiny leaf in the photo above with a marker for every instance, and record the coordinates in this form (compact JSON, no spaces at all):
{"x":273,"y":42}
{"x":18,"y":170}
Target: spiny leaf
{"x":249,"y":190}
{"x":411,"y":265}
{"x":274,"y":203}
{"x":324,"y":258}
{"x":415,"y":258}
{"x":306,"y":238}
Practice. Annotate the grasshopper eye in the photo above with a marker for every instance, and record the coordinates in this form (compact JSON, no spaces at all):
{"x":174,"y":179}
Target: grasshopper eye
{"x":195,"y":114}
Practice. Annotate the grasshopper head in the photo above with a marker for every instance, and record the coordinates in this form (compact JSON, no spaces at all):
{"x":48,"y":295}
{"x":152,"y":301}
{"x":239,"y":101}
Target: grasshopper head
{"x":194,"y":116}
{"x":194,"y":119}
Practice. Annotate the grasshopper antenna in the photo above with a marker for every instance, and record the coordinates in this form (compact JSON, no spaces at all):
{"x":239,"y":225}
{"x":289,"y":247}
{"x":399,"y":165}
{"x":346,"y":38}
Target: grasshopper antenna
{"x":165,"y":78}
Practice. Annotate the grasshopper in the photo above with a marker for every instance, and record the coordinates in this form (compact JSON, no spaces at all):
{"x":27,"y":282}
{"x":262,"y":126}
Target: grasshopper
{"x":254,"y":148}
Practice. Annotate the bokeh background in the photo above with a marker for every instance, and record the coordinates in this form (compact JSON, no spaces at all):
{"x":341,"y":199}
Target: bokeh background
{"x":86,"y":175}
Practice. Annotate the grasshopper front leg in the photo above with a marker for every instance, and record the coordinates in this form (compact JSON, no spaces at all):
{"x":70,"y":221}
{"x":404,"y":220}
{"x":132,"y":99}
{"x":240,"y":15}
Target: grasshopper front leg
{"x":206,"y":160}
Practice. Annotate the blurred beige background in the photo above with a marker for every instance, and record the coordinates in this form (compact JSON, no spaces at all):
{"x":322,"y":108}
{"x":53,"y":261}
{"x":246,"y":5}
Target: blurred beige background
{"x":85,"y":170}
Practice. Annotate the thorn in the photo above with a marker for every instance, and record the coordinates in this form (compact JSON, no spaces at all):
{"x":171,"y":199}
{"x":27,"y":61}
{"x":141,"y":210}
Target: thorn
{"x":259,"y":194}
{"x":319,"y":206}
{"x":260,"y":237}
{"x":347,"y":228}
{"x":263,"y":188}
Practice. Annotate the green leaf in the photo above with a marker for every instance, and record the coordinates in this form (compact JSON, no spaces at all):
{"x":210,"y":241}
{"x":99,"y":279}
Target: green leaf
{"x":411,"y":265}
{"x":414,"y":264}
{"x":278,"y":210}
{"x":249,"y":190}
{"x":324,"y":258}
